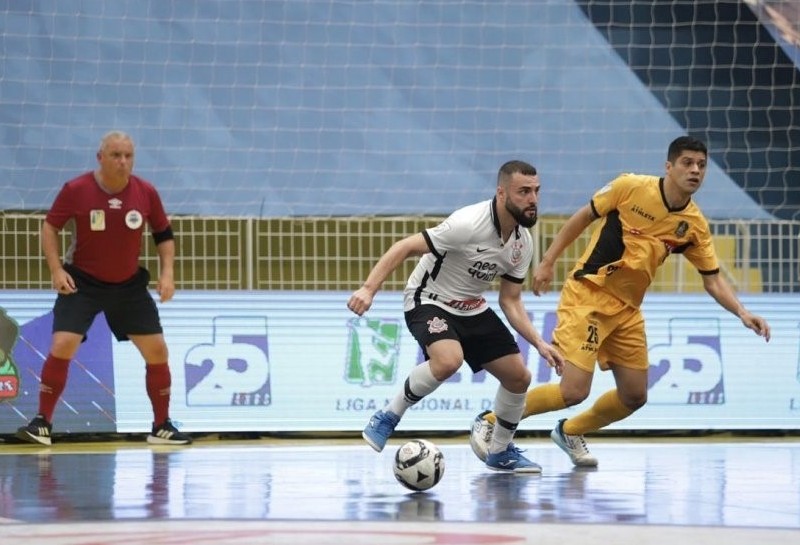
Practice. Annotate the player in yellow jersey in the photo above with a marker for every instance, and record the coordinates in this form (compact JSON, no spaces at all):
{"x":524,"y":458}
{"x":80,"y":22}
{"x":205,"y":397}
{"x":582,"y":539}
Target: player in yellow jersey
{"x":643,"y":219}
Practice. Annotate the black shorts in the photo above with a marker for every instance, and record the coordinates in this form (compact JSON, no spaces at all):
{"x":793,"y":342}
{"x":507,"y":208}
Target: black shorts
{"x":483,"y":337}
{"x":129,"y":308}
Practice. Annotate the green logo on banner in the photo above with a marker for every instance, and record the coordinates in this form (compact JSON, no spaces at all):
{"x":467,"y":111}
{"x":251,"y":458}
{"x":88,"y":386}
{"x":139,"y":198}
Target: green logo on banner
{"x":373,"y":349}
{"x":9,"y":373}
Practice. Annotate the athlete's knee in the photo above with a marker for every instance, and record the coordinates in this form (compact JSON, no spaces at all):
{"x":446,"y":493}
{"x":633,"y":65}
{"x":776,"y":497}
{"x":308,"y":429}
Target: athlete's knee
{"x":633,"y":400}
{"x":574,"y":393}
{"x":157,"y":354}
{"x":516,"y":381}
{"x":444,"y":368}
{"x":153,"y":348}
{"x":64,"y":346}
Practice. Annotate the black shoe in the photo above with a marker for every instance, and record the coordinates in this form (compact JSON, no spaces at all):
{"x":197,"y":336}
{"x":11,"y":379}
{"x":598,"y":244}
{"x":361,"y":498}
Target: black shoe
{"x":167,"y":434}
{"x":37,"y":431}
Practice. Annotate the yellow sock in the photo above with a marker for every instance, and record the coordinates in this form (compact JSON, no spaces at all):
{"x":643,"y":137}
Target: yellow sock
{"x":607,"y":409}
{"x":542,"y":399}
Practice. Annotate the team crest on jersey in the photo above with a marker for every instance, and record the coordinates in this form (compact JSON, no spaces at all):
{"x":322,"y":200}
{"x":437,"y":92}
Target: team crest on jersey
{"x":437,"y":325}
{"x":516,"y":252}
{"x":133,"y":219}
{"x":683,"y":227}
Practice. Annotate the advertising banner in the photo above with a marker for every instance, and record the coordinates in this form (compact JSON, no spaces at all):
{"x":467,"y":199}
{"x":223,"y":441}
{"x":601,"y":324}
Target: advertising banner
{"x":300,"y":361}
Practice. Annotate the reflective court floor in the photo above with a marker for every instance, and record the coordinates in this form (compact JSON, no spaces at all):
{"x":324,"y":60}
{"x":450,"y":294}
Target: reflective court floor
{"x":294,"y":491}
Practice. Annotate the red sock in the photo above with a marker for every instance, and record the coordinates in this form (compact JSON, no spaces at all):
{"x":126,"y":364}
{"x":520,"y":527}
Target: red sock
{"x":158,"y":380}
{"x":54,"y":379}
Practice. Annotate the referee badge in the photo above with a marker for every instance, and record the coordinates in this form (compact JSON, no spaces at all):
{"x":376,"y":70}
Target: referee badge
{"x":97,"y":220}
{"x":133,"y":219}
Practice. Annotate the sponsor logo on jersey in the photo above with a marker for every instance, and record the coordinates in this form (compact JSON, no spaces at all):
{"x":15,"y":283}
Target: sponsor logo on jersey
{"x":483,"y":270}
{"x":469,"y":304}
{"x":638,"y":210}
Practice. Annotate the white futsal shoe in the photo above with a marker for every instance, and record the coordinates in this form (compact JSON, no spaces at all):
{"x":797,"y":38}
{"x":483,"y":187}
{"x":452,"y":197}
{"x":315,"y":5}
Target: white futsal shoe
{"x":480,"y":436}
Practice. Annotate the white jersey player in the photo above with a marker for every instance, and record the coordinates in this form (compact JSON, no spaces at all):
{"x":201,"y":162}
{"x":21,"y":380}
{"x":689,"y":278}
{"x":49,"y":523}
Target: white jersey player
{"x":467,"y":254}
{"x":447,"y":313}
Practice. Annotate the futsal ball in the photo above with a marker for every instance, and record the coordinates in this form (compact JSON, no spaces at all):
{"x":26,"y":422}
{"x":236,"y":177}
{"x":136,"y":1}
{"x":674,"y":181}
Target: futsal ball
{"x":418,"y":465}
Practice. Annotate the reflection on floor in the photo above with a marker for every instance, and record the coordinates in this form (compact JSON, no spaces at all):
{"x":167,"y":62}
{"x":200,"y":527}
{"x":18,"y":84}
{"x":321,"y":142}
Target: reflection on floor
{"x":292,"y":487}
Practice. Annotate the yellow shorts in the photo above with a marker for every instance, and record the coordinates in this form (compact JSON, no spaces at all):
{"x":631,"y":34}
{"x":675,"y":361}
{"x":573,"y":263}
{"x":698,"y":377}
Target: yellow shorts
{"x":594,"y":326}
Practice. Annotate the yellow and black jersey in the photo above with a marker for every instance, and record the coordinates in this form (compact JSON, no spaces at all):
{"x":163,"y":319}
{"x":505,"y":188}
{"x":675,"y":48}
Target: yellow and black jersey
{"x":636,"y":234}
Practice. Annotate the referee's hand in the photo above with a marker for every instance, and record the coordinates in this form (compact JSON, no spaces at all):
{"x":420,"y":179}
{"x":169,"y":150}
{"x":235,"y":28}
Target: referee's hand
{"x":63,"y":282}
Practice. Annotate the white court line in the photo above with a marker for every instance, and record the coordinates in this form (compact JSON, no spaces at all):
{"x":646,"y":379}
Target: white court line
{"x":319,"y":446}
{"x":250,"y":532}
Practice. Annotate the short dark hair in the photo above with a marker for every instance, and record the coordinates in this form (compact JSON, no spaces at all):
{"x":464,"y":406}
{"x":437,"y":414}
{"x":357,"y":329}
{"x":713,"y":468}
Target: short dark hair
{"x":512,"y":167}
{"x":685,"y":143}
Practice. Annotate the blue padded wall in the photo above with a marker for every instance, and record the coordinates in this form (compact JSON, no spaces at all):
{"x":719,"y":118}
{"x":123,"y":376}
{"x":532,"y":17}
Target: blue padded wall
{"x":302,"y":107}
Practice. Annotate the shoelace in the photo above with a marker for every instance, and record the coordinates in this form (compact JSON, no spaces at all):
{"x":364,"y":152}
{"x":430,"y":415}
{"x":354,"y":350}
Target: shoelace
{"x":487,"y":431}
{"x":578,"y":443}
{"x":385,"y":424}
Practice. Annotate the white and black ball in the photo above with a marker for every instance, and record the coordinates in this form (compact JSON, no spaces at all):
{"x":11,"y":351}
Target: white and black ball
{"x":418,"y":465}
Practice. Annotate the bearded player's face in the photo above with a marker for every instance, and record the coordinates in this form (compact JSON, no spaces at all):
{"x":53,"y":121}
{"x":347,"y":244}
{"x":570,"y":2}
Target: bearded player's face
{"x":522,"y":198}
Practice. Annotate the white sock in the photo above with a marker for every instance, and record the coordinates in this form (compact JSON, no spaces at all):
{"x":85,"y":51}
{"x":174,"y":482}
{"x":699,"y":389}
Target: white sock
{"x":508,"y":409}
{"x":420,"y":382}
